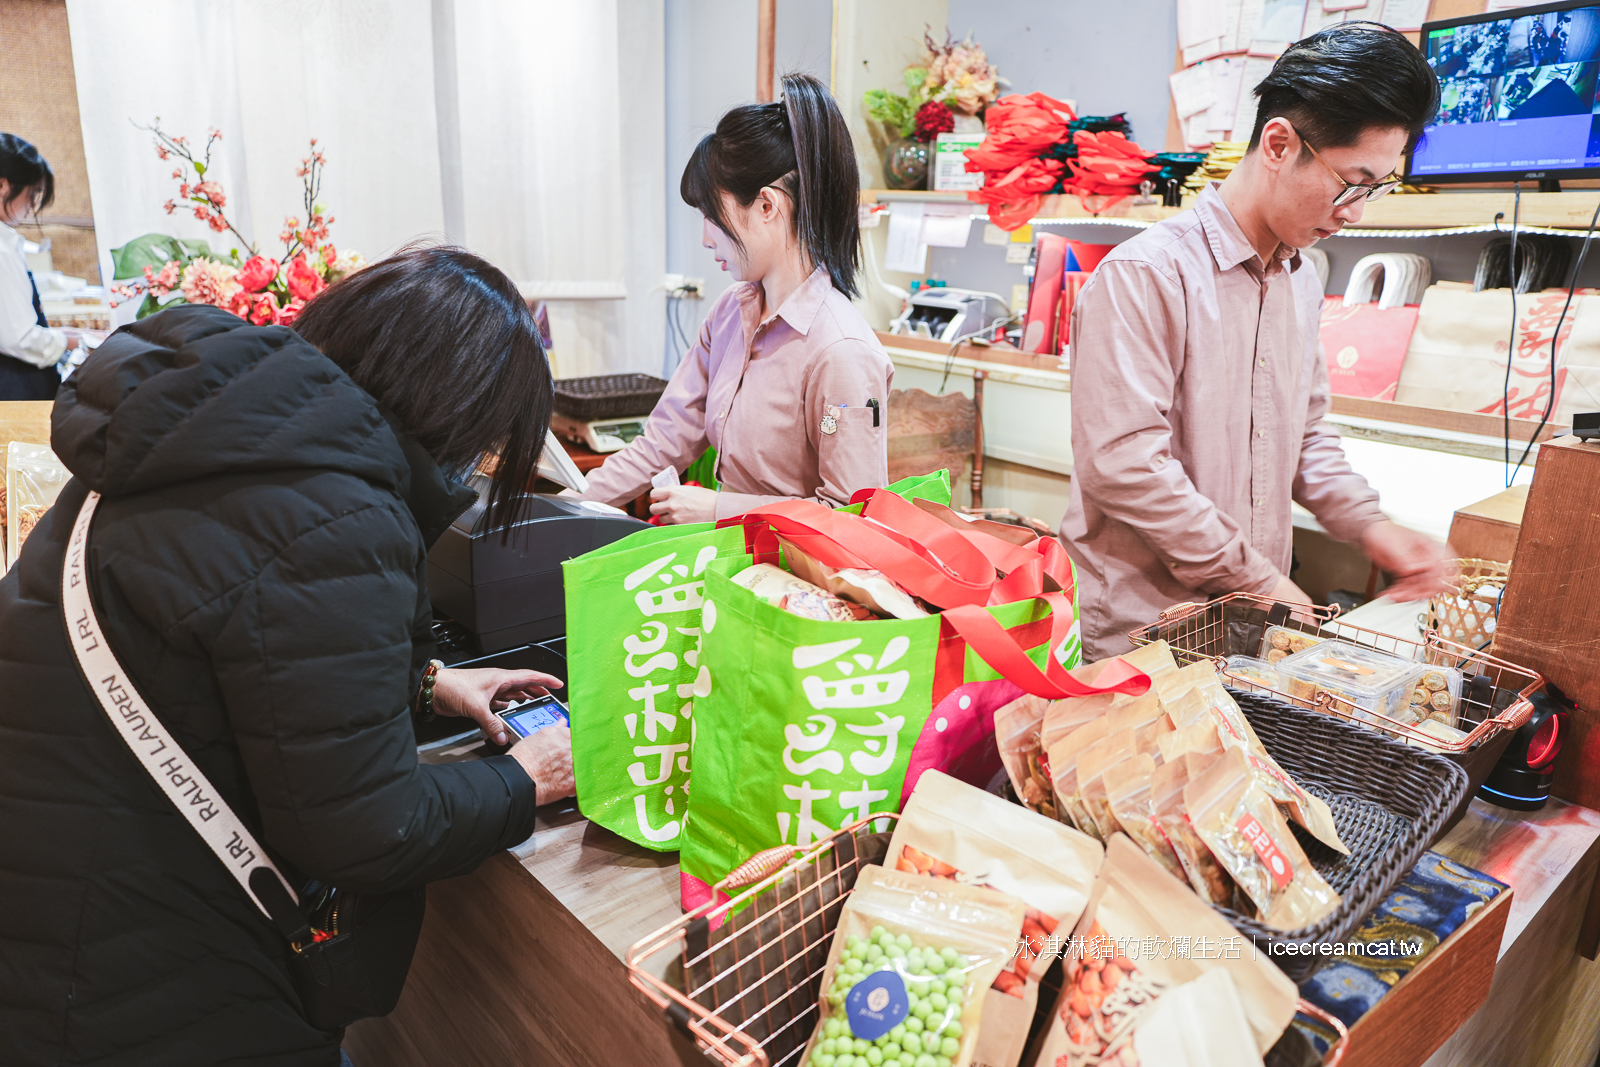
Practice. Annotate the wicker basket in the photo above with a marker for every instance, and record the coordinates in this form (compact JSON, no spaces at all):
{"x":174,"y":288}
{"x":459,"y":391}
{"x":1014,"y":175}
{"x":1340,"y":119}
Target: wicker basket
{"x":1389,"y":802}
{"x":1467,"y":611}
{"x":607,"y":396}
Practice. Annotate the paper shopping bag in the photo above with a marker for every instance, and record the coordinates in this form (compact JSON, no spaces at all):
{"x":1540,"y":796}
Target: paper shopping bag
{"x":1366,"y":346}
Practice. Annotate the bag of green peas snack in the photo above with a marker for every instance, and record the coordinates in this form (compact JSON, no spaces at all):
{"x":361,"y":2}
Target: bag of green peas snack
{"x":955,"y":831}
{"x":910,"y":961}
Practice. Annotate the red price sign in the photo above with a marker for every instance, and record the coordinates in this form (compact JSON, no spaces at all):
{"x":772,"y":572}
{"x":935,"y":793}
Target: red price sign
{"x":1272,"y":857}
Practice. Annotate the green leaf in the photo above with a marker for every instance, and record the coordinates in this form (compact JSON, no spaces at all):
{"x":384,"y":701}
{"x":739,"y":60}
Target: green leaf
{"x":200,"y":168}
{"x":149,"y":307}
{"x":153,"y":250}
{"x":914,"y":77}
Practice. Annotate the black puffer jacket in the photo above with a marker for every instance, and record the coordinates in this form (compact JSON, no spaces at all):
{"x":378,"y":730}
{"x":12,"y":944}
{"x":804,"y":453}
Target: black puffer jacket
{"x":258,"y":562}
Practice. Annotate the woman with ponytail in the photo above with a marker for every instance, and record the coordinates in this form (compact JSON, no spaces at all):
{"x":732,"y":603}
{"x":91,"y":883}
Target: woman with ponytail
{"x":786,"y":380}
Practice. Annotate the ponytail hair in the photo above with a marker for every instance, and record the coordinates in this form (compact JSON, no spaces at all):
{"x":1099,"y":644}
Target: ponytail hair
{"x":800,"y":145}
{"x":24,"y":169}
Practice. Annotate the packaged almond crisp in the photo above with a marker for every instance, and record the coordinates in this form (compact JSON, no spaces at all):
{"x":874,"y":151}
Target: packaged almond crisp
{"x":1198,"y":1024}
{"x":976,"y":838}
{"x":1234,"y":729}
{"x":1128,"y":786}
{"x":1239,"y":821}
{"x":1061,"y":717}
{"x":1143,"y":935}
{"x":1142,"y":715}
{"x":1092,"y":764}
{"x":1063,"y":759}
{"x":1016,"y":732}
{"x":1198,"y":736}
{"x":908,"y":968}
{"x":797,"y":596}
{"x":1206,"y":875}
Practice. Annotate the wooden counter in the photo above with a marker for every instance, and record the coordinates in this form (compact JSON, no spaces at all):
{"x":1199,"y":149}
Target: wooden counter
{"x":521,"y":962}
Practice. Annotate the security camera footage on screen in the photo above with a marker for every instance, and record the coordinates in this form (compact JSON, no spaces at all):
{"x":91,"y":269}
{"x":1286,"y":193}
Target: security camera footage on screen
{"x":1517,"y":93}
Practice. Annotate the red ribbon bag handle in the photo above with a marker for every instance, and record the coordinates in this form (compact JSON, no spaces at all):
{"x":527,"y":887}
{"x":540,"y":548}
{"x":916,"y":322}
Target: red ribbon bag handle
{"x":999,"y":649}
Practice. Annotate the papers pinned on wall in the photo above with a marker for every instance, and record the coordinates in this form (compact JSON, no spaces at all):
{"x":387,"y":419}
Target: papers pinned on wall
{"x":906,"y":250}
{"x":946,"y":225}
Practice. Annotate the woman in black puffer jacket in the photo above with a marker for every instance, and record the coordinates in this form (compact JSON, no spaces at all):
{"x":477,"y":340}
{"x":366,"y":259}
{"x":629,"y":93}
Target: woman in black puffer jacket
{"x":258,"y":562}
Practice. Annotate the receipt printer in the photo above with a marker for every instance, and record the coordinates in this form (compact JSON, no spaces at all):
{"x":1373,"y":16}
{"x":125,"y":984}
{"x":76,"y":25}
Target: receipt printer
{"x":509,"y":592}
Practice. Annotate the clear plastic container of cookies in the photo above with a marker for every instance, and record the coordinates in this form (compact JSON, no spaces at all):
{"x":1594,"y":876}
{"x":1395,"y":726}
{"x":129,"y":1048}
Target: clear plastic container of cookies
{"x":1281,"y":642}
{"x":1372,"y":682}
{"x":1254,"y":675}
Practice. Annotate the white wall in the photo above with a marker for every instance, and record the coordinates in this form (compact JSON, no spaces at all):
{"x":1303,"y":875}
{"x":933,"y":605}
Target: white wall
{"x":710,"y":67}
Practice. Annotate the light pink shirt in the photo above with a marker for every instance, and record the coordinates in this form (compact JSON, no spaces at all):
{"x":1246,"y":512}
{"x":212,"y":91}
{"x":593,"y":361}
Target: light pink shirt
{"x":1199,"y":392}
{"x":782,"y":400}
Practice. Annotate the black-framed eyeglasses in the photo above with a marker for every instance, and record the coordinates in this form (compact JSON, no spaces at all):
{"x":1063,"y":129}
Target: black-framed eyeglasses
{"x":1352,"y":191}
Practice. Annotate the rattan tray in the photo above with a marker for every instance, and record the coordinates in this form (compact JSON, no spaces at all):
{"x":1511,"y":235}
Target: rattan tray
{"x":1388,"y":799}
{"x":607,"y":396}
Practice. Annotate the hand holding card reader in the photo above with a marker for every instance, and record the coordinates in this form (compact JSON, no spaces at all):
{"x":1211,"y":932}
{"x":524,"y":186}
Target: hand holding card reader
{"x":528,"y":717}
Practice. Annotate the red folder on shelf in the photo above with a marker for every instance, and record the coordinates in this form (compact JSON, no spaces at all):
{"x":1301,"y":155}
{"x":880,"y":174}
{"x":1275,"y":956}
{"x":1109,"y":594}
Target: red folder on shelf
{"x":1365,"y":347}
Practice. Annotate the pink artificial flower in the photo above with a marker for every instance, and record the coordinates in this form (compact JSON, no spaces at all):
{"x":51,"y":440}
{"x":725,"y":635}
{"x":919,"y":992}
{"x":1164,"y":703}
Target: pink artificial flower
{"x":201,"y":213}
{"x":205,"y":281}
{"x":212,"y":192}
{"x":329,"y":254}
{"x":287,"y":314}
{"x":265,"y":312}
{"x":177,"y":173}
{"x":166,"y":279}
{"x":217,"y":223}
{"x":304,"y":282}
{"x":183,"y":190}
{"x":162,"y":152}
{"x":171,"y":206}
{"x":258,"y":273}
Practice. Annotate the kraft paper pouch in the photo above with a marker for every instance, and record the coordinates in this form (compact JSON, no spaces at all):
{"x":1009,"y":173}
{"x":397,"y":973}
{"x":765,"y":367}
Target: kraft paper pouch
{"x":901,"y":939}
{"x":1128,"y":790}
{"x":1092,"y":765}
{"x":983,"y":840}
{"x":1205,"y":873}
{"x":1111,"y":985}
{"x":1061,"y":717}
{"x":867,"y":588}
{"x":1198,"y":737}
{"x":1063,"y":759}
{"x":1198,"y":1024}
{"x":1143,"y":716}
{"x":1016,"y":732}
{"x":1239,"y":821}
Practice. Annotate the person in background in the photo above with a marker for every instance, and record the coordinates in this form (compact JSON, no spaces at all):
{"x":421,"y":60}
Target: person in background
{"x":258,"y":566}
{"x":786,"y":380}
{"x":29,"y":349}
{"x":1199,"y":387}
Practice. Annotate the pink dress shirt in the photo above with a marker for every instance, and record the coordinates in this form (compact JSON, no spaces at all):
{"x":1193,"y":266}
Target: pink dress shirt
{"x":1199,"y":396}
{"x":783,"y":400}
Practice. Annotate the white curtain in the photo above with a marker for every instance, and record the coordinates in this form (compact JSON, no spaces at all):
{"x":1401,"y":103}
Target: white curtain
{"x":522,"y":130}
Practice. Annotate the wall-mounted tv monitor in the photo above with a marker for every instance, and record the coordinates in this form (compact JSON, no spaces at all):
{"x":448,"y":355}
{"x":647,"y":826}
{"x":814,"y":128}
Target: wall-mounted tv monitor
{"x":1518,"y":92}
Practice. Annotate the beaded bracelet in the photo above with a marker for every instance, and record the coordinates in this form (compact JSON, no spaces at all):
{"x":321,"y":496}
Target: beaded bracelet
{"x":424,"y":705}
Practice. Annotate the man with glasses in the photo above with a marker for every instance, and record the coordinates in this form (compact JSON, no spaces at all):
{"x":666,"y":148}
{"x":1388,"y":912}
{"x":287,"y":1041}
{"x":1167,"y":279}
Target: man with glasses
{"x":1199,"y":388}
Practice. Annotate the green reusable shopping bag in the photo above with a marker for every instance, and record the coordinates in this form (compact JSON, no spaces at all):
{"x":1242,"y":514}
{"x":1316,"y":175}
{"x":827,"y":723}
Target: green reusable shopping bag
{"x":807,"y":726}
{"x":633,"y":674}
{"x":633,"y":668}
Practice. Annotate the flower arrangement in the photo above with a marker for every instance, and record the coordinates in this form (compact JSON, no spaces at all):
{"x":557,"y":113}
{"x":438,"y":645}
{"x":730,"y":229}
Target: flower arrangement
{"x":169,"y":270}
{"x":951,"y":79}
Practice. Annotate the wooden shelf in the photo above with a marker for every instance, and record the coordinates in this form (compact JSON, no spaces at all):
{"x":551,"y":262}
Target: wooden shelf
{"x":1398,"y":212}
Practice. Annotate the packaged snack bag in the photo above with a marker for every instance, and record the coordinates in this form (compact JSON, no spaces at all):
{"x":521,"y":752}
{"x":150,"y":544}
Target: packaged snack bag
{"x":1239,"y":821}
{"x":1198,"y":737}
{"x":1206,"y":875}
{"x":1016,"y":732}
{"x":1145,"y":717}
{"x":1128,"y":790}
{"x":974,"y":837}
{"x":909,"y":963}
{"x":1199,"y":1024}
{"x":1111,"y":982}
{"x":1063,"y":759}
{"x":797,"y":596}
{"x":1092,"y":764}
{"x":1061,"y":717}
{"x":34,"y":477}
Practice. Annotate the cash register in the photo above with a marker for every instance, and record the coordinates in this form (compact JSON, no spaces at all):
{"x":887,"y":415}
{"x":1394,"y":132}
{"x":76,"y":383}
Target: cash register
{"x":507,"y":591}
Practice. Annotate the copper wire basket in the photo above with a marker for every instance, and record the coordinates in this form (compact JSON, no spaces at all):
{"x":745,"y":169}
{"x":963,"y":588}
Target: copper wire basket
{"x":1495,"y":693}
{"x":750,"y":967}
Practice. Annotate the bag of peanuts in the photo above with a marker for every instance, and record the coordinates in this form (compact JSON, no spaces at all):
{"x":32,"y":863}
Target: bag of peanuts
{"x":1063,"y":758}
{"x":1205,"y":873}
{"x":1239,"y":821}
{"x":1093,"y":762}
{"x":907,"y":970}
{"x":953,"y":830}
{"x":1128,"y":788}
{"x":1143,"y":935}
{"x":1016,"y":732}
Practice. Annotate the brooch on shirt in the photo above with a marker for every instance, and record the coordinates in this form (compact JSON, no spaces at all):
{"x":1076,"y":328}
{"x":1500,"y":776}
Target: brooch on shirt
{"x":830,"y":421}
